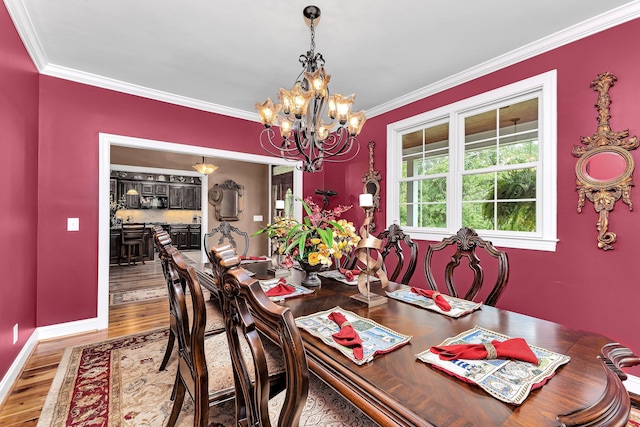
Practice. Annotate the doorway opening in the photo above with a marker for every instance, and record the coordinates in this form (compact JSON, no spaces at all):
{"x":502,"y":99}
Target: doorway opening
{"x":106,"y":142}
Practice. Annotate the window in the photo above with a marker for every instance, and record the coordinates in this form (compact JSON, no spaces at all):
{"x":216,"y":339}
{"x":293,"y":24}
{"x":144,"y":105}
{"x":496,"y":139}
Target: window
{"x":487,"y":162}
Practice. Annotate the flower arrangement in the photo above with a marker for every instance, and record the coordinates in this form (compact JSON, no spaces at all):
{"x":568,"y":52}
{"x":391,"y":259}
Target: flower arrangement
{"x":319,"y":239}
{"x":115,"y":207}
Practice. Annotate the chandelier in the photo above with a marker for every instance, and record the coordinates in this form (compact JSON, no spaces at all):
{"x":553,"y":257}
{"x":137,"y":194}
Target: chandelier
{"x":302,"y":111}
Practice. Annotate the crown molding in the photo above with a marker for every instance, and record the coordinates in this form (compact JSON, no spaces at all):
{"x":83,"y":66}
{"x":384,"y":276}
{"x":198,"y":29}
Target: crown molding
{"x":22,"y":21}
{"x":145,"y":92}
{"x":579,"y":31}
{"x":607,"y":20}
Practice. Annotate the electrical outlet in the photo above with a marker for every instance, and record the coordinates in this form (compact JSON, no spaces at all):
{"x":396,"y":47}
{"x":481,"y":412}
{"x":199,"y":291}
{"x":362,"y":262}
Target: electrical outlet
{"x":15,"y":333}
{"x":257,"y":218}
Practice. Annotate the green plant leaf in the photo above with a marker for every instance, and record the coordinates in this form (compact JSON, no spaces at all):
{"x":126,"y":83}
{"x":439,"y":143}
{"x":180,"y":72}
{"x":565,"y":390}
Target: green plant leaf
{"x":326,"y":235}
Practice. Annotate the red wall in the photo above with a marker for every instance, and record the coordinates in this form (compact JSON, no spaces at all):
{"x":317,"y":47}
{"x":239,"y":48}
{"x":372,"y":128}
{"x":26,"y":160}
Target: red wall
{"x":579,"y":284}
{"x":71,"y":116}
{"x":18,"y":190}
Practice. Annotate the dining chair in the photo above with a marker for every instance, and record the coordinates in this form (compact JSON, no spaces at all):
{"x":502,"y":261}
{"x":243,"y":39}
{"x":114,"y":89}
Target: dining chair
{"x":466,"y":243}
{"x":214,"y":321}
{"x":307,"y":400}
{"x":131,"y":243}
{"x":204,"y":365}
{"x":225,"y":232}
{"x":394,"y":240}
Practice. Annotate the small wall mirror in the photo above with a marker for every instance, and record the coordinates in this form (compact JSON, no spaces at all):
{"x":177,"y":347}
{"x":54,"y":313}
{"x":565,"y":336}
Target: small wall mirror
{"x":226,"y":198}
{"x":604,"y":170}
{"x":606,"y":165}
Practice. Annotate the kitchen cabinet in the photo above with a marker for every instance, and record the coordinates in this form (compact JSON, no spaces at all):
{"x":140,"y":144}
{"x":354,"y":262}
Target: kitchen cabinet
{"x":161,"y":190}
{"x":185,"y":236}
{"x":189,"y":197}
{"x":184,"y":196}
{"x":175,"y":197}
{"x":180,"y":236}
{"x":194,"y":236}
{"x":113,"y":189}
{"x":147,"y":189}
{"x":132,"y":201}
{"x":156,"y":191}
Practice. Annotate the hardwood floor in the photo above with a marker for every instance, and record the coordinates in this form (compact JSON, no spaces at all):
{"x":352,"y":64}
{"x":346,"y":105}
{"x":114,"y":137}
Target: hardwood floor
{"x":23,"y":405}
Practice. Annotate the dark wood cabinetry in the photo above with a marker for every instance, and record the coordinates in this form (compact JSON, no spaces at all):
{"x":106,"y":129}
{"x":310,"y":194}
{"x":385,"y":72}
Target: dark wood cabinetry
{"x":194,"y":236}
{"x":189,"y":197}
{"x":132,"y":201}
{"x":161,"y":190}
{"x":146,"y":189}
{"x":113,"y":189}
{"x":185,"y":236}
{"x":156,"y":191}
{"x":184,"y":196}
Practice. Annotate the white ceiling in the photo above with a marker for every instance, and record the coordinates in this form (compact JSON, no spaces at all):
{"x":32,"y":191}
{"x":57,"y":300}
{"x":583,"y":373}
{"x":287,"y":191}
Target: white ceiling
{"x":223,"y":56}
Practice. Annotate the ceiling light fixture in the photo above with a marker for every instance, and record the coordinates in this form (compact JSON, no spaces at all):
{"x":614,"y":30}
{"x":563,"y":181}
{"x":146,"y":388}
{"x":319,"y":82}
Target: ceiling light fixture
{"x":205,"y":168}
{"x":305,"y":135}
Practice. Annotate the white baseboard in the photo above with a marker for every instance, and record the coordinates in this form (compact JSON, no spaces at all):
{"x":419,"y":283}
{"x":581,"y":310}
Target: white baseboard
{"x":16,"y":367}
{"x":42,"y":333}
{"x":69,"y":328}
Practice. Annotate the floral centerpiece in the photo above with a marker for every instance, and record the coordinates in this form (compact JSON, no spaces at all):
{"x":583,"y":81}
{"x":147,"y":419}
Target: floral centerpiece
{"x":315,"y":242}
{"x":115,"y":206}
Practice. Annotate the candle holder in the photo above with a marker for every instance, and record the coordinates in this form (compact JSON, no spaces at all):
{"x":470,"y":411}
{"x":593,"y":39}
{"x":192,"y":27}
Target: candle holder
{"x":372,"y":266}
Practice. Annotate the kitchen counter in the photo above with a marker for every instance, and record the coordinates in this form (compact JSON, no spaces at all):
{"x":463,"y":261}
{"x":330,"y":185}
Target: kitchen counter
{"x":115,"y":243}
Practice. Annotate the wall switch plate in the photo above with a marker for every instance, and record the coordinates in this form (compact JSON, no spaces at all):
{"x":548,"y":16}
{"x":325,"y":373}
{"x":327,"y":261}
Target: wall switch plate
{"x":257,"y":218}
{"x":15,"y":333}
{"x":73,"y":224}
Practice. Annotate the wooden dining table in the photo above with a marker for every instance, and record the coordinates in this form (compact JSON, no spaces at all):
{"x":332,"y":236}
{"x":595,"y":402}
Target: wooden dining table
{"x":398,"y":389}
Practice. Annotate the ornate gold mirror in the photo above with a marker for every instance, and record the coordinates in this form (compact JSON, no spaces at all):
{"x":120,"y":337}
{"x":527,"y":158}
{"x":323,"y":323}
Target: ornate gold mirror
{"x":371,"y":180}
{"x":605,"y":167}
{"x":227,"y":200}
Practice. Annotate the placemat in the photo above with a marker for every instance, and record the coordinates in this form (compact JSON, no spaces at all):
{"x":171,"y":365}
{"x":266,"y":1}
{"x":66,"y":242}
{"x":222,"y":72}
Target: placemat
{"x":510,"y":381}
{"x":270,"y":283}
{"x":459,"y":307}
{"x":376,"y":339}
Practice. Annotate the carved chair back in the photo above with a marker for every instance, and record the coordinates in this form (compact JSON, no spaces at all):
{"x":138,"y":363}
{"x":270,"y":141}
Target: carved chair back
{"x":243,"y":304}
{"x":192,"y":372}
{"x":394,"y":240}
{"x":466,"y":243}
{"x":225,"y":232}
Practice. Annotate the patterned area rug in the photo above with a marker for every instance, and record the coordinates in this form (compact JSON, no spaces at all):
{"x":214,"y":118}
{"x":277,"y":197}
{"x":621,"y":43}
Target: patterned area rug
{"x":117,"y":383}
{"x":634,"y":418}
{"x":137,"y":295}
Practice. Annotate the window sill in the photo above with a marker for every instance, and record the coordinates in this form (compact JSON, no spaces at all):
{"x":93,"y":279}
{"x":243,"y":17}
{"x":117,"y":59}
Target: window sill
{"x":515,"y":242}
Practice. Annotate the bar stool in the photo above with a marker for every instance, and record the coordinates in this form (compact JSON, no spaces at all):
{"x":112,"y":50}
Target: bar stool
{"x":132,"y":236}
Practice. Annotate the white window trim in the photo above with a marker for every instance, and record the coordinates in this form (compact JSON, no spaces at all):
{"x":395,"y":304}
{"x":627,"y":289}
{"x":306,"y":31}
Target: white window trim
{"x":546,"y":237}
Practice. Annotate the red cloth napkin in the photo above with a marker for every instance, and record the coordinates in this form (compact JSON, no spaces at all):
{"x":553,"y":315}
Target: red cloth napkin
{"x":347,"y":336}
{"x":514,"y":348}
{"x":350,"y":275}
{"x":435,"y":296}
{"x":280,"y":289}
{"x":254,"y":258}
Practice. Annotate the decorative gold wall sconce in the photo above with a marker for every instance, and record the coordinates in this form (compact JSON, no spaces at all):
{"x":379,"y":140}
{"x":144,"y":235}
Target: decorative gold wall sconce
{"x":371,"y":181}
{"x":605,"y":167}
